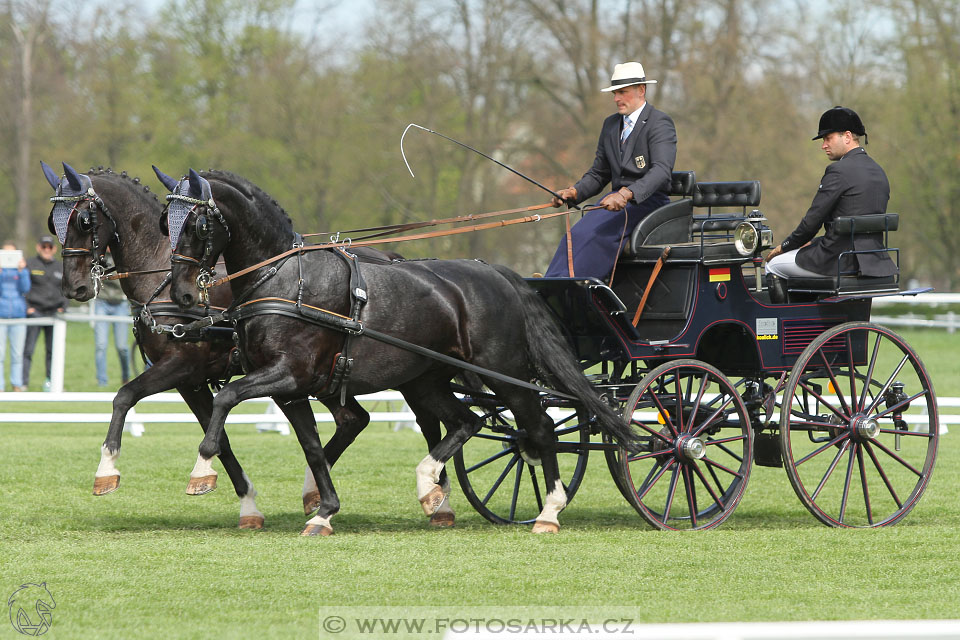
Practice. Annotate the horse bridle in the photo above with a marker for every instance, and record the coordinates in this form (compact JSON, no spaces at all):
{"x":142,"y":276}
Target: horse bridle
{"x":88,"y":221}
{"x":203,"y":230}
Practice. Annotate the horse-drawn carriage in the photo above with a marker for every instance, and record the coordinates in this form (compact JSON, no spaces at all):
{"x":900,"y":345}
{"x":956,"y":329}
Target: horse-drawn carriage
{"x":709,"y":370}
{"x":718,"y":372}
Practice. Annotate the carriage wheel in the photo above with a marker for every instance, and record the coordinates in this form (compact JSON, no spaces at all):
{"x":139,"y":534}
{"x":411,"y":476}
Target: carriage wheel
{"x":858,"y":427}
{"x":698,"y":446}
{"x":501,"y":475}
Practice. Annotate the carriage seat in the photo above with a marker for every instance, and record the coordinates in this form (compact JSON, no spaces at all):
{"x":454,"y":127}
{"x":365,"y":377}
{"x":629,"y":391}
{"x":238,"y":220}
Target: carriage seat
{"x":669,"y":223}
{"x":802,"y":288}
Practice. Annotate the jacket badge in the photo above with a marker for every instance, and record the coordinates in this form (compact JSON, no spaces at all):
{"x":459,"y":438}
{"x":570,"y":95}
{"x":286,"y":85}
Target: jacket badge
{"x":641,"y":163}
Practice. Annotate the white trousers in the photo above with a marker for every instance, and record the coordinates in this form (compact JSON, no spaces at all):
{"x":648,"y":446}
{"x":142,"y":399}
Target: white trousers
{"x":785,"y":266}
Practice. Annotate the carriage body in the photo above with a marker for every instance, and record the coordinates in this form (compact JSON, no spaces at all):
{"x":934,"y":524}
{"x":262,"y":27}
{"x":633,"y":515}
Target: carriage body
{"x":717,"y":372}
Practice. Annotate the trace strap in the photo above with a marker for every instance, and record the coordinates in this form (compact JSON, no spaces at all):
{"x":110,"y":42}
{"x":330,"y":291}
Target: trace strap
{"x":338,"y":322}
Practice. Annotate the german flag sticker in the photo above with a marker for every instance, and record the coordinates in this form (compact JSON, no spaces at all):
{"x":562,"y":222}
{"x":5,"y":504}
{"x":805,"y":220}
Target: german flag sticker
{"x":720,"y":275}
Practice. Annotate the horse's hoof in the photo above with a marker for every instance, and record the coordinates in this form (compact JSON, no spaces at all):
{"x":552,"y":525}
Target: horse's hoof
{"x":106,"y":484}
{"x":251,"y":522}
{"x":200,"y":486}
{"x":541,"y":526}
{"x":311,"y":502}
{"x":442,"y":519}
{"x":431,"y":501}
{"x":316,"y":530}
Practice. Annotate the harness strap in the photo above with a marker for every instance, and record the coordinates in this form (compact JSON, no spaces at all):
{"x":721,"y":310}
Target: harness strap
{"x":338,"y":322}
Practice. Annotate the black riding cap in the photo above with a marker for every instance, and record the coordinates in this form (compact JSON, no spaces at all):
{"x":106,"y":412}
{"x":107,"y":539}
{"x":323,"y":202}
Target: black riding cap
{"x":840,"y":119}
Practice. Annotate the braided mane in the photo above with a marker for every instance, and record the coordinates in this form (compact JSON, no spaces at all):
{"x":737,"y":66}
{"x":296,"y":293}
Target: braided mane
{"x":249,"y":189}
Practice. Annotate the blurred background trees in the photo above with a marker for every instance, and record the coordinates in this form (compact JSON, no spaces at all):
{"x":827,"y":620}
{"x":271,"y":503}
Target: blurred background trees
{"x":310,"y":102}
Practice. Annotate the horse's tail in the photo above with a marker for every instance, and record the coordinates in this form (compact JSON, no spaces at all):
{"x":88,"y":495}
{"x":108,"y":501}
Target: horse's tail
{"x":551,"y":355}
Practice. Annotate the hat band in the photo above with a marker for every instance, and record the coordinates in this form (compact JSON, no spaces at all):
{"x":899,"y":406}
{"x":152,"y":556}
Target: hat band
{"x":629,"y":80}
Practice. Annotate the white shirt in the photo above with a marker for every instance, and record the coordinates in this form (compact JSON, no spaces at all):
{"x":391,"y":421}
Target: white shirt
{"x":633,"y":117}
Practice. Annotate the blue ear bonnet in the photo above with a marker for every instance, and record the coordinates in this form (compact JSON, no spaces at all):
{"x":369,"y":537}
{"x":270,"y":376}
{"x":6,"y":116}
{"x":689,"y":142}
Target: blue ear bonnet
{"x":66,"y":201}
{"x":186,"y":195}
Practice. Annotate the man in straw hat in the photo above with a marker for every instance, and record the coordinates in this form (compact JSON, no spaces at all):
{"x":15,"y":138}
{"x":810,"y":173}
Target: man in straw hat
{"x":853,"y":185}
{"x":635,"y":155}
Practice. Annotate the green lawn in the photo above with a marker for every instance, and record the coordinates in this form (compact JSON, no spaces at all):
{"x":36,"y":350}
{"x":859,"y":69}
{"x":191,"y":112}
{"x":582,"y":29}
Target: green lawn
{"x":150,"y":561}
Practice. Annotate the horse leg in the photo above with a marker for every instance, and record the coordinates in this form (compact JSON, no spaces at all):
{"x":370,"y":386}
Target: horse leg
{"x":161,"y":376}
{"x":203,"y":480}
{"x":531,"y":417}
{"x":351,"y":419}
{"x":276,"y":381}
{"x":461,"y":424}
{"x":300,"y":414}
{"x":430,"y":428}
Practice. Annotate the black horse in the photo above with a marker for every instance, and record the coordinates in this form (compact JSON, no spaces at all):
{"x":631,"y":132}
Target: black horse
{"x":123,"y":215}
{"x":465,"y":309}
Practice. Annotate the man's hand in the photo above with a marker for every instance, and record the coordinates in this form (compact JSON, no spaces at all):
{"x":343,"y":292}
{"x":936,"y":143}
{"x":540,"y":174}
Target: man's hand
{"x":617,"y":201}
{"x":567,"y":196}
{"x":777,"y":250}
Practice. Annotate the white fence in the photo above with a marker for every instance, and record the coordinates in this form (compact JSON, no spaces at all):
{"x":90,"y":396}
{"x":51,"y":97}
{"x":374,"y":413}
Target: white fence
{"x":383,"y":407}
{"x":949,"y":321}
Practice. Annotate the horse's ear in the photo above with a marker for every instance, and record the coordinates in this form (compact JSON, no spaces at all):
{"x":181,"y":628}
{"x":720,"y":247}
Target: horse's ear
{"x":168,"y":182}
{"x":196,"y":186}
{"x":73,"y":178}
{"x":50,"y":175}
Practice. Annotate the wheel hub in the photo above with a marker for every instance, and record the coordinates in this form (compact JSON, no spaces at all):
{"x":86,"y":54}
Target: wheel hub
{"x":691,"y":448}
{"x":529,"y":454}
{"x":865,"y":428}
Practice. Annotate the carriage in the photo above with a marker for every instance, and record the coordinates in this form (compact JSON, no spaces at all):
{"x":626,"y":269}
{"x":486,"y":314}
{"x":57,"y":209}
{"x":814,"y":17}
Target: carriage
{"x":717,"y":372}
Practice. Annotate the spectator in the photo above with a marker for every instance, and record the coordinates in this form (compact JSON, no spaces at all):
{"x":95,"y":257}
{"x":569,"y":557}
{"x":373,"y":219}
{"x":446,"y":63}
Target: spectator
{"x":111,"y":302}
{"x":44,"y":301}
{"x":14,"y":285}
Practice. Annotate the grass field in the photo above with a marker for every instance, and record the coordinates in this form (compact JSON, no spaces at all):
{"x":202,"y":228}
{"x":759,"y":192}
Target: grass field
{"x":150,"y":561}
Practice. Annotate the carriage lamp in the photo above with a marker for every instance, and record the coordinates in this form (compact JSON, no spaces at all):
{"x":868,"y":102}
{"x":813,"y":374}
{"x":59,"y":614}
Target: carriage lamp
{"x":750,"y":236}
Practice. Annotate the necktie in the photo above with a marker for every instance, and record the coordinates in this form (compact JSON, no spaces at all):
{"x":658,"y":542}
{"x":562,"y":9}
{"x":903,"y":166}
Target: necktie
{"x":627,"y":128}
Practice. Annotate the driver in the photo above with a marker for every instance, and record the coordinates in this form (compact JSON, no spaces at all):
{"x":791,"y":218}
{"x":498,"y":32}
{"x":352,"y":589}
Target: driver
{"x":635,"y":155}
{"x":853,"y":185}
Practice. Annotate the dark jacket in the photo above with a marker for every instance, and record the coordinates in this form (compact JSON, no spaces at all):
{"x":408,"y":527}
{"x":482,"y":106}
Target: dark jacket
{"x":854,"y":185}
{"x":643,"y":164}
{"x":14,"y":284}
{"x":45,"y":278}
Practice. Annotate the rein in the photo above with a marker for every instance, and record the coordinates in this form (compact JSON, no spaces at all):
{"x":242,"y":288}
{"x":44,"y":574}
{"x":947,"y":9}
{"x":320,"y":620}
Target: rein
{"x":417,"y":236}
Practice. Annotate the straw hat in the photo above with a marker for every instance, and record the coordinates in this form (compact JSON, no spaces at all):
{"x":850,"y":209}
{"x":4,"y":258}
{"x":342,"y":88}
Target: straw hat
{"x":627,"y":74}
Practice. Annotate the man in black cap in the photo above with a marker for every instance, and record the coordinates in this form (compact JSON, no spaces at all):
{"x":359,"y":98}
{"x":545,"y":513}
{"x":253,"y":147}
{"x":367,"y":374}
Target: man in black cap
{"x":853,"y":185}
{"x":43,"y":301}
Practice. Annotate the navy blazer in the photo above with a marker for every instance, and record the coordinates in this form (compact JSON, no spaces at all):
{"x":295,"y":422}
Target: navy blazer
{"x":644,"y":164}
{"x":854,"y":185}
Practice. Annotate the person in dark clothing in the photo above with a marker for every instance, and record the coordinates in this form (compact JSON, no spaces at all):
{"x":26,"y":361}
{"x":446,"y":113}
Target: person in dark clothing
{"x":635,"y":156}
{"x":853,"y":185}
{"x":43,"y":301}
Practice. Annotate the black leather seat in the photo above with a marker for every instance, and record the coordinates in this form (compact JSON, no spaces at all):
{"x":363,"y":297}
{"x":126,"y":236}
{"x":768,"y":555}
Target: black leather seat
{"x":671,"y":222}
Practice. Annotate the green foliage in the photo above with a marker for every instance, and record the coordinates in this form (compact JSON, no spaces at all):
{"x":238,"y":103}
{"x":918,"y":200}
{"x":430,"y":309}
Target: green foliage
{"x":314,"y":115}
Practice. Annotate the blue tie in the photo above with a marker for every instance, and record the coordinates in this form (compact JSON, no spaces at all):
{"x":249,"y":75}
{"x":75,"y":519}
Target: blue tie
{"x":627,"y":128}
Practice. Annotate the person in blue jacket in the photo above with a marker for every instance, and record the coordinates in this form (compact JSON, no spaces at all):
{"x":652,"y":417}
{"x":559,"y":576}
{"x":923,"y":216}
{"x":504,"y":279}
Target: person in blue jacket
{"x":14,"y":285}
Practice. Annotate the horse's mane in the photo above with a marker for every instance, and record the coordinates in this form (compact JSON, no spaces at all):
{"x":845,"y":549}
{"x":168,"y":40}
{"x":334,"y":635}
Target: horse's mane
{"x":250,"y":190}
{"x":122,"y":178}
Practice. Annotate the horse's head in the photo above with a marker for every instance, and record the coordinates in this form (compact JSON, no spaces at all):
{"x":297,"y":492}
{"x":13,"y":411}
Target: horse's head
{"x":198,"y":234}
{"x":84,"y":227}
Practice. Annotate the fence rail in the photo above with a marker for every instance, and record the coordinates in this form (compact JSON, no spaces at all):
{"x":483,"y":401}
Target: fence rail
{"x":383,"y":407}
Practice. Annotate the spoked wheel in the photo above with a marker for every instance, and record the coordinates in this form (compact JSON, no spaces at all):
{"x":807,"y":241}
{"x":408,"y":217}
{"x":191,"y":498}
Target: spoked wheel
{"x":501,"y":474}
{"x":858,"y":427}
{"x":699,"y":446}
